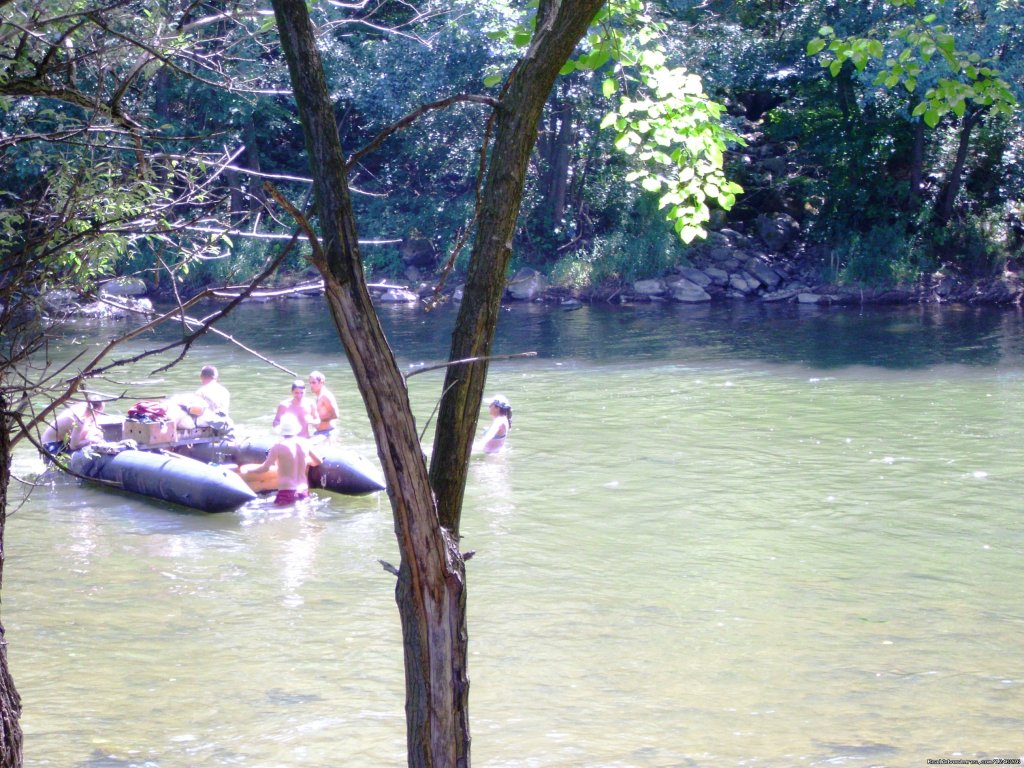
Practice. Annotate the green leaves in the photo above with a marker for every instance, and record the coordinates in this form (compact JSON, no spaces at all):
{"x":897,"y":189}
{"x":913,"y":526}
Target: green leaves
{"x":919,"y":44}
{"x":663,"y":120}
{"x":816,"y":46}
{"x":672,"y":130}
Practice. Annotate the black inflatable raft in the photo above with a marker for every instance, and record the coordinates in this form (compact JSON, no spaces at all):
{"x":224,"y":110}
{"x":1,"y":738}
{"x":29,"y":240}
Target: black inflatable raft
{"x":341,"y":471}
{"x":168,"y":477}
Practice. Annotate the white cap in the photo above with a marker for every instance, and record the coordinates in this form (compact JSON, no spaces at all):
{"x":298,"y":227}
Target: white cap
{"x":289,"y":425}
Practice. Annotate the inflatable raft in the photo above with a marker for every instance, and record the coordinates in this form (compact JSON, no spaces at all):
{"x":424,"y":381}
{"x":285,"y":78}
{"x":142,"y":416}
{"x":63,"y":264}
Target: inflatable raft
{"x":341,"y":471}
{"x":166,"y":476}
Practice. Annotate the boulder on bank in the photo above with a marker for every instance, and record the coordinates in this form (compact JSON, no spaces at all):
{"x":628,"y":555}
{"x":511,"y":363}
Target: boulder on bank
{"x":61,"y":301}
{"x":777,"y":231}
{"x":115,"y":307}
{"x":700,"y":277}
{"x":398,"y":295}
{"x":527,"y":285}
{"x":123,"y":286}
{"x":649,"y":287}
{"x":688,"y":292}
{"x":764,"y":274}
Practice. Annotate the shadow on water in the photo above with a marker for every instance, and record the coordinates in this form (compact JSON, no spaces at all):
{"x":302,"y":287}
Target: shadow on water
{"x":900,"y":338}
{"x":823,"y":338}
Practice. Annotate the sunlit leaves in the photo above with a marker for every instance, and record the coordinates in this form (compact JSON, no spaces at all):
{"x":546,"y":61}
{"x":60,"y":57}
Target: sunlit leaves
{"x":903,"y":52}
{"x":664,"y":122}
{"x":667,"y":124}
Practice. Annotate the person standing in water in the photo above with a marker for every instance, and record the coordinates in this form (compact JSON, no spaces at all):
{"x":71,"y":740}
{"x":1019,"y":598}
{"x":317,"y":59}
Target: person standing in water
{"x":75,"y":427}
{"x":326,"y":406}
{"x":493,"y":440}
{"x":299,"y":406}
{"x":292,"y":457}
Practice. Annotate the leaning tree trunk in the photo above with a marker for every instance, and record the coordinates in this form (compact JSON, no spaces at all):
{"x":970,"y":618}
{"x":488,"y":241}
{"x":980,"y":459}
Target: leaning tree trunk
{"x":430,"y":590}
{"x":950,"y":190}
{"x":560,"y":25}
{"x":431,"y":581}
{"x":916,"y":165}
{"x":10,"y":702}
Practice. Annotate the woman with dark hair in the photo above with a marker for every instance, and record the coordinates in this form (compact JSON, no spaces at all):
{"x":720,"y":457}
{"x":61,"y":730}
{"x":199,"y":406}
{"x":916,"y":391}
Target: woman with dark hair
{"x":493,"y":440}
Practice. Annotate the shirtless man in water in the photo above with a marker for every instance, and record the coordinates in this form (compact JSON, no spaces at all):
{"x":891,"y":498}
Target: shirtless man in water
{"x":301,"y":408}
{"x":75,"y":427}
{"x":326,"y":406}
{"x":292,"y":456}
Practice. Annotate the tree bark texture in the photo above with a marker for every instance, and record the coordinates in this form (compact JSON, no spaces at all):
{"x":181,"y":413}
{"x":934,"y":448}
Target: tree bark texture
{"x":950,"y":190}
{"x":554,"y":148}
{"x":430,"y":590}
{"x":252,"y":160}
{"x":10,"y":701}
{"x":917,"y":164}
{"x":560,"y":25}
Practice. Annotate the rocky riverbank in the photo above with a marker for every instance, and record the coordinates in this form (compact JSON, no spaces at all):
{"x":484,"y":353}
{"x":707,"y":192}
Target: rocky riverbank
{"x":769,"y":264}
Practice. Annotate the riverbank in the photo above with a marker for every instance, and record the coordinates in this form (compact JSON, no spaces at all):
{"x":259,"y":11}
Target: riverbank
{"x":768,"y":264}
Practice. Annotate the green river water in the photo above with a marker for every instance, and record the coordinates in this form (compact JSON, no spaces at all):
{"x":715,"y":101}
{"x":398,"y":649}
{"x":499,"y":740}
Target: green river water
{"x":719,"y":536}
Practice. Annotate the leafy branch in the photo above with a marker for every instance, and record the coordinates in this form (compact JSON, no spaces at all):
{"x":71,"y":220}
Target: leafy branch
{"x":911,"y":54}
{"x":662,"y":117}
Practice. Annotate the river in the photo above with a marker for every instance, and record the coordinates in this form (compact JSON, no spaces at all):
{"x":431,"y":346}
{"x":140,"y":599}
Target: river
{"x":734,"y":535}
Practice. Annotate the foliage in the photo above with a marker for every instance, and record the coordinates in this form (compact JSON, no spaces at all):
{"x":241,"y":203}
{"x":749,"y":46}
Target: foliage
{"x":921,"y":51}
{"x":884,"y":255}
{"x":662,"y":117}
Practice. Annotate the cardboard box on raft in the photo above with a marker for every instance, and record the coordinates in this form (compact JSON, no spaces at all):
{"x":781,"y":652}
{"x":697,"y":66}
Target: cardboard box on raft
{"x":149,"y":432}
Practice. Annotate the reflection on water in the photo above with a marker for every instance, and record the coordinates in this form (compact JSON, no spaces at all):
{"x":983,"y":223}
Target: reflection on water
{"x":726,"y":536}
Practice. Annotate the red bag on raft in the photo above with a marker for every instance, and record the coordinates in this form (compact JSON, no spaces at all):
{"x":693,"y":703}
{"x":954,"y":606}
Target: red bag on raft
{"x":147,"y":409}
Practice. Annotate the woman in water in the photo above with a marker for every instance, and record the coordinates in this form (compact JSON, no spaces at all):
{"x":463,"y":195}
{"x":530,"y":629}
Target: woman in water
{"x":493,"y":440}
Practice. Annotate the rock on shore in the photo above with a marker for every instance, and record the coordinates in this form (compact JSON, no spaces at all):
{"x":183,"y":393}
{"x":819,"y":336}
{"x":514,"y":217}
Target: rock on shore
{"x":769,"y":265}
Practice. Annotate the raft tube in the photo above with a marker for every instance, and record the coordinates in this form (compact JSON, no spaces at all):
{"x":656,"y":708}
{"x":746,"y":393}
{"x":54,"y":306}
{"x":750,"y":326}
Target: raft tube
{"x":341,"y":471}
{"x":167,"y":477}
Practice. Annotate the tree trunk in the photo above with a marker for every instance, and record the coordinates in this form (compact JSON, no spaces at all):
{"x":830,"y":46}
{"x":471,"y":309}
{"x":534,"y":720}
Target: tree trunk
{"x":560,"y":25}
{"x":10,"y":701}
{"x":252,"y":160}
{"x":950,"y":190}
{"x":236,"y":202}
{"x":556,"y":154}
{"x":430,"y":589}
{"x":917,"y":164}
{"x":431,"y":581}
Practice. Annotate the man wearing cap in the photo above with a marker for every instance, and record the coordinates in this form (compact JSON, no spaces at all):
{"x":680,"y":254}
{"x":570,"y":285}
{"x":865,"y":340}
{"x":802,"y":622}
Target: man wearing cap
{"x":299,"y":406}
{"x":292,"y":457}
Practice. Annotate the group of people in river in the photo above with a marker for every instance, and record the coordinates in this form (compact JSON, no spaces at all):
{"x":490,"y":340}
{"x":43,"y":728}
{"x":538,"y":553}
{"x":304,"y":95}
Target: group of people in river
{"x":303,"y":424}
{"x":316,"y":417}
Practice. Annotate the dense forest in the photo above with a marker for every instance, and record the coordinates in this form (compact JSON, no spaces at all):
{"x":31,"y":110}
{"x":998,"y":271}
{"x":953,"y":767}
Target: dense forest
{"x":888,"y":132}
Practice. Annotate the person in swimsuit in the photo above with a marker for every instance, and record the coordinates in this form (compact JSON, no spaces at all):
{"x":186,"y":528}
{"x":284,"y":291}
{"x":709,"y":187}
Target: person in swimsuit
{"x":493,"y":440}
{"x":326,"y":407}
{"x":75,"y":427}
{"x":292,"y":457}
{"x":299,"y":406}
